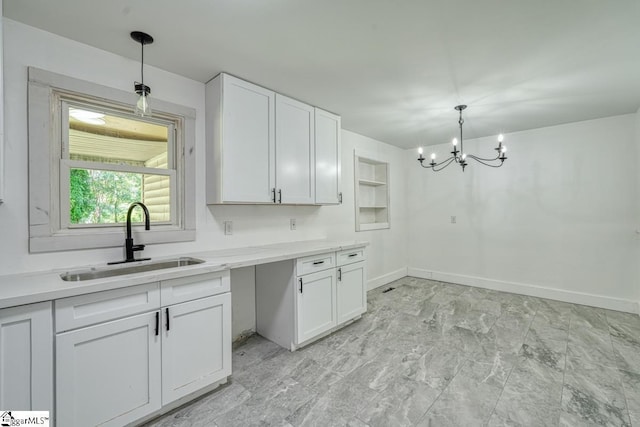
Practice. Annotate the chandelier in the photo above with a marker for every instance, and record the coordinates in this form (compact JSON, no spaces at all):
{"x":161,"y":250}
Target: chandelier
{"x":460,"y":157}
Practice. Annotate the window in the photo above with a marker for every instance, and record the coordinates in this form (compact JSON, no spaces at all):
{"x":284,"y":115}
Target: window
{"x":109,"y":161}
{"x":91,"y":157}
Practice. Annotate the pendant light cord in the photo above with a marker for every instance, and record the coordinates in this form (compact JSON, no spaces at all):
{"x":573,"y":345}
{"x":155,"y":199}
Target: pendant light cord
{"x":142,"y":64}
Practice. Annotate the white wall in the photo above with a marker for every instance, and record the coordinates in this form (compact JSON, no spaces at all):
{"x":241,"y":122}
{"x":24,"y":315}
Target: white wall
{"x":557,"y":220}
{"x":638,"y":205}
{"x":26,"y":46}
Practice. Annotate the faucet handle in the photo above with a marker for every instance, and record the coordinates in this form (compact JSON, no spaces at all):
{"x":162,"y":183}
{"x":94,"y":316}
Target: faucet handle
{"x":137,"y":247}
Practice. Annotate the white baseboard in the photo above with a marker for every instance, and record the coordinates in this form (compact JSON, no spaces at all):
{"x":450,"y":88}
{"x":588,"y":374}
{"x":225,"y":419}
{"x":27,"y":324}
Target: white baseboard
{"x":592,"y":300}
{"x":376,"y":282}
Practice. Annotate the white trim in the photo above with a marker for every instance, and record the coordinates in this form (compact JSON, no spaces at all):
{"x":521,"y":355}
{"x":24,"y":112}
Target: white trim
{"x":376,"y":282}
{"x":582,"y":298}
{"x":2,"y":196}
{"x":45,"y":234}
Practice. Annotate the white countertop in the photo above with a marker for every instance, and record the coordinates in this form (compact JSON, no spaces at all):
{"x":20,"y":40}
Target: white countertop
{"x":27,"y":288}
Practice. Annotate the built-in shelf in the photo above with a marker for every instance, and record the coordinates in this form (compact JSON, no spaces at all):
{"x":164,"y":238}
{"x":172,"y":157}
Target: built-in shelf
{"x":372,"y":193}
{"x":371,"y":182}
{"x":373,"y":226}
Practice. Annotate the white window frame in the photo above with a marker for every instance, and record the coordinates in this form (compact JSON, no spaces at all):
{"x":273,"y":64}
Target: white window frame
{"x":49,"y":228}
{"x":68,"y":101}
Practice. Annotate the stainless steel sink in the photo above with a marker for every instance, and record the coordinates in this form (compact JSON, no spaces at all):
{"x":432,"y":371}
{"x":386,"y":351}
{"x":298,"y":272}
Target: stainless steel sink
{"x":99,"y":273}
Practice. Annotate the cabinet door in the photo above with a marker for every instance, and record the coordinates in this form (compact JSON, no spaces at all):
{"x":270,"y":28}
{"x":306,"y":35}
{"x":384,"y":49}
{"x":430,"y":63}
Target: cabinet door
{"x":295,"y":158}
{"x":248,"y":137}
{"x":315,"y":304}
{"x":351,"y":293}
{"x":108,"y":374}
{"x":196,"y":345}
{"x":328,"y":165}
{"x":26,"y":358}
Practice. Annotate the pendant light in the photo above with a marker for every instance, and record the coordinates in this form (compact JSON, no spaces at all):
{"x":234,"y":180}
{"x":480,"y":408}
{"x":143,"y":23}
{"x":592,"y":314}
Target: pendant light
{"x":142,"y":106}
{"x":460,"y":157}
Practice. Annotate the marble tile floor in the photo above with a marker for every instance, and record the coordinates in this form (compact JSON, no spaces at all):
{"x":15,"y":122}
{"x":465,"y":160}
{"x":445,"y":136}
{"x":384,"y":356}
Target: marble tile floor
{"x":436,"y":354}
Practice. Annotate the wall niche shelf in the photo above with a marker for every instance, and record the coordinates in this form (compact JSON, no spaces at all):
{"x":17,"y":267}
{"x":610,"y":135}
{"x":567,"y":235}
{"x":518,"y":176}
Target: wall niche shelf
{"x":372,"y":192}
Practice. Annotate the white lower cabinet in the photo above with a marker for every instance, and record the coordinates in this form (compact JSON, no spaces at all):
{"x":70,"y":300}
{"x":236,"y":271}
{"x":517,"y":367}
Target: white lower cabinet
{"x":315,"y":304}
{"x":298,"y":301}
{"x":26,"y":358}
{"x":115,"y":372}
{"x":108,"y":374}
{"x":196,"y":346}
{"x":351,"y":291}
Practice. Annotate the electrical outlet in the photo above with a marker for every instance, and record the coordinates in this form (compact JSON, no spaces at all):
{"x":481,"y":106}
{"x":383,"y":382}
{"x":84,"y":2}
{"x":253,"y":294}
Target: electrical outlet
{"x":453,"y":219}
{"x":228,"y":228}
{"x":292,"y":223}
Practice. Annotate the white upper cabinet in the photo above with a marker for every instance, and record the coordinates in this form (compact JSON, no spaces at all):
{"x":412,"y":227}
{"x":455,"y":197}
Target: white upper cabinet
{"x":240,"y":141}
{"x":261,"y":147}
{"x":295,"y":158}
{"x":328,"y":166}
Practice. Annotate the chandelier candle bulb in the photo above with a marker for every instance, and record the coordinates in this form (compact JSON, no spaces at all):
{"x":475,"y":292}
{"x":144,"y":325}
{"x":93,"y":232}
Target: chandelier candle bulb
{"x":500,"y":138}
{"x":455,"y":141}
{"x":433,"y":156}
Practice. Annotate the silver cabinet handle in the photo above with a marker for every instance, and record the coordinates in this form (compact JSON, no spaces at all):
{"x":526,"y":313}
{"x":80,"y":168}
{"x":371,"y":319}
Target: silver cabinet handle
{"x":339,"y":197}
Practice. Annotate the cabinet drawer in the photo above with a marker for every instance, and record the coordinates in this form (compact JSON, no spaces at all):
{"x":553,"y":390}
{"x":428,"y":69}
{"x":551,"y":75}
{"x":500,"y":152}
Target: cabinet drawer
{"x":314,"y":263}
{"x":350,"y":256}
{"x":84,"y":310}
{"x":184,"y":289}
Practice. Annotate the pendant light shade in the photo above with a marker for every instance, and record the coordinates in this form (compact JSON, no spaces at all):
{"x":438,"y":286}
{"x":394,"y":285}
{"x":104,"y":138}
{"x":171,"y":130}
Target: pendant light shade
{"x":142,"y":107}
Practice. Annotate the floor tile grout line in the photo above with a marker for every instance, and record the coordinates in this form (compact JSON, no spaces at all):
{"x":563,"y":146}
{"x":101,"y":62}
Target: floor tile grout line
{"x":564,"y":371}
{"x":443,"y":390}
{"x":500,"y":396}
{"x":511,"y":371}
{"x":618,"y":368}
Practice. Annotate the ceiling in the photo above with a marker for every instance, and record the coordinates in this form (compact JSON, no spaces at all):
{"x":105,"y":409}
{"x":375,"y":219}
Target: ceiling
{"x":394,"y":69}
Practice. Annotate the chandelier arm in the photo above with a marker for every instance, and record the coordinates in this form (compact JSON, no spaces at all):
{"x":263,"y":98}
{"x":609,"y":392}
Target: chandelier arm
{"x":482,"y":158}
{"x":445,"y":163}
{"x":486,"y":164}
{"x":430,"y":166}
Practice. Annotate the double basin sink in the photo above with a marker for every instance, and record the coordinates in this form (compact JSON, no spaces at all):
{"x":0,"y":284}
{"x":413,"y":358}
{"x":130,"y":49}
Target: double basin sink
{"x":100,"y":273}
